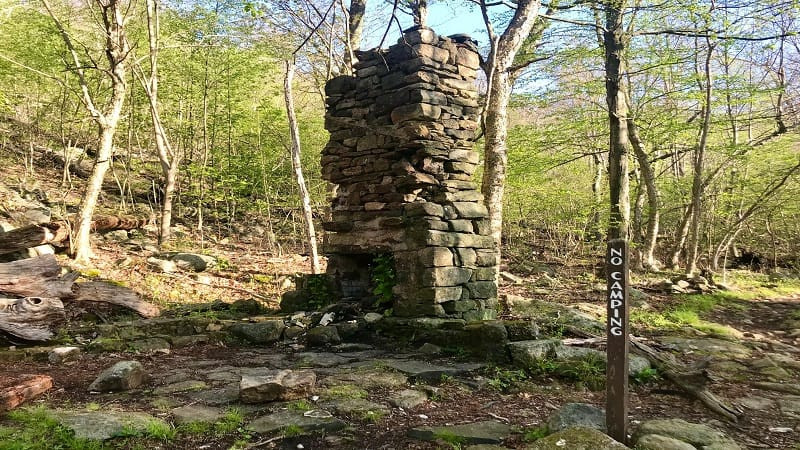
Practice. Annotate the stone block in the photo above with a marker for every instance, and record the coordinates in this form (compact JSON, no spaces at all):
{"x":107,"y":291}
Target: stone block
{"x":436,"y":257}
{"x":484,"y":274}
{"x":432,"y":97}
{"x":465,"y":156}
{"x":445,"y":276}
{"x":467,"y":257}
{"x":479,"y":315}
{"x":483,"y":227}
{"x":471,"y":210}
{"x":459,"y":306}
{"x":461,"y":225}
{"x":482,"y":289}
{"x":417,"y":111}
{"x":423,"y":209}
{"x":449,"y":239}
{"x":439,"y":294}
{"x":340,"y":85}
{"x":419,"y":36}
{"x":433,"y":52}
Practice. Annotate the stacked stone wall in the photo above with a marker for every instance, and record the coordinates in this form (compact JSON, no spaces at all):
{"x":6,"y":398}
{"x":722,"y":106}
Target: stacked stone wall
{"x":402,"y":132}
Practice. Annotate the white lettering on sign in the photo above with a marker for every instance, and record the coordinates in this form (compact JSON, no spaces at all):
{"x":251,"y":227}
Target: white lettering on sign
{"x":616,"y":293}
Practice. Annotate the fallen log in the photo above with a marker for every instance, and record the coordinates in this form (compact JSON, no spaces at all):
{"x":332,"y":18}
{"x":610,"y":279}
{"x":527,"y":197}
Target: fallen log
{"x":57,"y":233}
{"x":30,"y":387}
{"x":44,"y":289}
{"x":36,"y":277}
{"x":692,"y":381}
{"x":101,"y":291}
{"x":30,"y":318}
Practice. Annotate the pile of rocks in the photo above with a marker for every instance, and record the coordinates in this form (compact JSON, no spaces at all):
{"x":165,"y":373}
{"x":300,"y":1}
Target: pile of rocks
{"x":402,"y":132}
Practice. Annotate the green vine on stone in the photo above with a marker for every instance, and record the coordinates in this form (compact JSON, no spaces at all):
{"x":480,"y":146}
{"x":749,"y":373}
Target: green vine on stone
{"x":383,"y":278}
{"x":319,"y":292}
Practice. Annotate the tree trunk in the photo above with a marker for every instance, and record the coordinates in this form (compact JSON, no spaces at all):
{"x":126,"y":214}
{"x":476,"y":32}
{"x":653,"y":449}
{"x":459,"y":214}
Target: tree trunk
{"x":498,"y":68}
{"x":619,"y":217}
{"x":648,"y":177}
{"x":355,"y":29}
{"x":166,"y":155}
{"x":117,"y":50}
{"x":693,"y":243}
{"x":496,"y":152}
{"x":311,"y":235}
{"x":420,"y":12}
{"x":597,"y":185}
{"x":82,"y":245}
{"x":680,"y":239}
{"x":57,"y":233}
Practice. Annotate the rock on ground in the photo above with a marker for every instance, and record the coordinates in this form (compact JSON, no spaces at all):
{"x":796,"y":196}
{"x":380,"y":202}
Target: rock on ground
{"x":577,"y":438}
{"x":488,"y":432}
{"x":60,"y":355}
{"x":102,"y":425}
{"x":281,"y":385}
{"x":408,"y":398}
{"x":265,"y":332}
{"x":658,"y":442}
{"x":698,"y":435}
{"x":121,"y":376}
{"x":577,"y":415}
{"x":281,"y":420}
{"x":197,"y":413}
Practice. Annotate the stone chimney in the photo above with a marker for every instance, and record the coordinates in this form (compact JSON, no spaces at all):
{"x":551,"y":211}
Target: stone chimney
{"x":402,"y":133}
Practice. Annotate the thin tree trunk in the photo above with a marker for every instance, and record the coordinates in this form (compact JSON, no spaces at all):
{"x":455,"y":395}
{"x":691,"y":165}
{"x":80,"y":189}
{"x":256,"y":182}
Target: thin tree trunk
{"x":648,"y":177}
{"x":496,"y":152}
{"x":597,"y":194}
{"x":619,"y":217}
{"x":297,"y":167}
{"x":166,"y":155}
{"x":699,"y":164}
{"x":498,"y":68}
{"x":680,"y":238}
{"x":116,"y":51}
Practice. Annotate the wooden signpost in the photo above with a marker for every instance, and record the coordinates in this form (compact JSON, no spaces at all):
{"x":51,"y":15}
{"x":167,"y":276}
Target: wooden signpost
{"x":617,"y":340}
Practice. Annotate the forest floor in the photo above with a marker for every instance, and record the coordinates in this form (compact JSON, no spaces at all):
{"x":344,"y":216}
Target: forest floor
{"x":748,"y":337}
{"x":745,"y":334}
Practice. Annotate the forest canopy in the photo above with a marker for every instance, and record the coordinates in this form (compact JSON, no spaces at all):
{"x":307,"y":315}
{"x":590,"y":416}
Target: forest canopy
{"x":698,"y":125}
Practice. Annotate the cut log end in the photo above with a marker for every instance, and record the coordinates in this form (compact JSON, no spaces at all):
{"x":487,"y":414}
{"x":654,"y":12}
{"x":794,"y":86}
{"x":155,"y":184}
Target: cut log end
{"x":22,"y":390}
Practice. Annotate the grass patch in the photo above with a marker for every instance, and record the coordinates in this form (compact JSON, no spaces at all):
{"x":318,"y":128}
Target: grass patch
{"x":589,"y":370}
{"x":372,"y":416}
{"x":292,"y":431}
{"x":301,"y":405}
{"x":162,"y":431}
{"x":647,"y":375}
{"x":534,"y":434}
{"x":230,"y":422}
{"x":503,"y":379}
{"x":689,"y":312}
{"x":455,"y":441}
{"x":40,"y":431}
{"x":194,"y":428}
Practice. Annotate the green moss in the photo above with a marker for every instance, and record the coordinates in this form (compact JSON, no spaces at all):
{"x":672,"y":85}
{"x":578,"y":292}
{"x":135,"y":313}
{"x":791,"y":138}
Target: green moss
{"x":37,"y":430}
